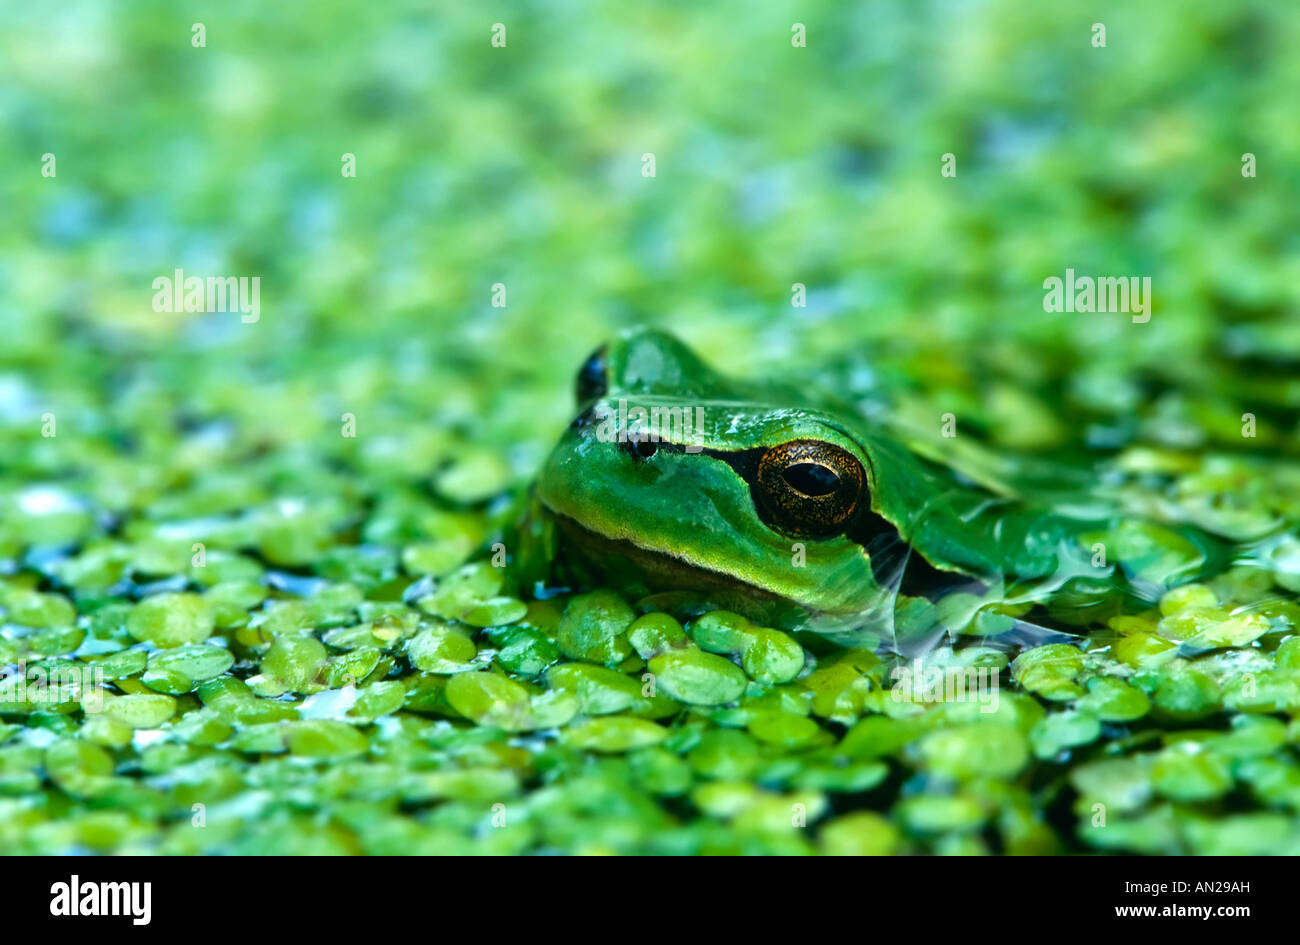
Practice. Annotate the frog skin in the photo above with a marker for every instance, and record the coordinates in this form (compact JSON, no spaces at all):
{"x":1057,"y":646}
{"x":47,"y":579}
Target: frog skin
{"x":796,"y":513}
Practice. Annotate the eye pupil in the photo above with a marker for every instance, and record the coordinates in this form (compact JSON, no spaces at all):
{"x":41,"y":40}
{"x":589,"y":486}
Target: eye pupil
{"x":811,"y":479}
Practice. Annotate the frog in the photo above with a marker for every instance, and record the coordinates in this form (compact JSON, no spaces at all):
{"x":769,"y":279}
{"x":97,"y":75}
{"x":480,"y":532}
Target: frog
{"x":787,"y":506}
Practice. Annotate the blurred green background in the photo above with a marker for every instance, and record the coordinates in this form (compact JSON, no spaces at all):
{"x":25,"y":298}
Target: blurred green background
{"x":522,"y":165}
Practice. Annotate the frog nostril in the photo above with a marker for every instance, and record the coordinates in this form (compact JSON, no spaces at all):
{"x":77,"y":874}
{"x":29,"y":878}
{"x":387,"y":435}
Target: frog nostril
{"x":641,"y":448}
{"x":583,"y":419}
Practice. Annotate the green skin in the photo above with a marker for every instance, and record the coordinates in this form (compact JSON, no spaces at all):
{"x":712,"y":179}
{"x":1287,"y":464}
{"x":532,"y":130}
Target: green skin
{"x":694,"y":519}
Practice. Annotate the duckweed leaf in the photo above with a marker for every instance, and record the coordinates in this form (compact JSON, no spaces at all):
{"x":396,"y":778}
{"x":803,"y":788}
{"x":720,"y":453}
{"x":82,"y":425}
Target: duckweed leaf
{"x":324,"y":738}
{"x":140,"y":710}
{"x":172,"y":619}
{"x":697,"y":678}
{"x":440,"y":649}
{"x":491,"y":699}
{"x":614,"y":734}
{"x":594,"y":628}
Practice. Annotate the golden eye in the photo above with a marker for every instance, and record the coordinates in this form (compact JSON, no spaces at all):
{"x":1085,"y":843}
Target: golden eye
{"x":809,"y":488}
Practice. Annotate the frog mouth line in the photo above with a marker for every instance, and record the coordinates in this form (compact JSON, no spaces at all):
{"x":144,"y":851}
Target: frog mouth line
{"x":673,"y":573}
{"x":665,"y":566}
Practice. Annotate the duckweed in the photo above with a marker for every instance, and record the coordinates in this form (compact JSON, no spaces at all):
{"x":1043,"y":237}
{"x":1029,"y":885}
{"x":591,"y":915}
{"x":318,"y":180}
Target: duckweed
{"x":599,"y":691}
{"x":860,"y":834}
{"x":697,"y":678}
{"x":323,"y":738}
{"x":292,"y":664}
{"x":594,"y":628}
{"x":783,"y":729}
{"x":651,"y":634}
{"x":614,"y":734}
{"x":1113,"y":700}
{"x":1185,"y":772}
{"x":979,"y":750}
{"x":140,"y":710}
{"x":441,"y":649}
{"x":1050,"y":671}
{"x":183,"y":668}
{"x":171,"y":619}
{"x":491,"y":699}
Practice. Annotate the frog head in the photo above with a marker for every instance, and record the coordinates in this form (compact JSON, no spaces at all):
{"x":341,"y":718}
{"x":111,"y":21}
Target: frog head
{"x":672,"y":476}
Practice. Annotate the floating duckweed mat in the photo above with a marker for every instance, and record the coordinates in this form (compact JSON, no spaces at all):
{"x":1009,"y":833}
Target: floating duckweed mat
{"x":246,"y":604}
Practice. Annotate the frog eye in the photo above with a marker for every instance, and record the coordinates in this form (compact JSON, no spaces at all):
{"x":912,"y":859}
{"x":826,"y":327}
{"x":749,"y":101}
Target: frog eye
{"x":593,"y":377}
{"x":808,"y":488}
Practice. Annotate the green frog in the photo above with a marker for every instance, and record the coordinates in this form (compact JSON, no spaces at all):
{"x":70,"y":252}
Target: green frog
{"x":801,"y":512}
